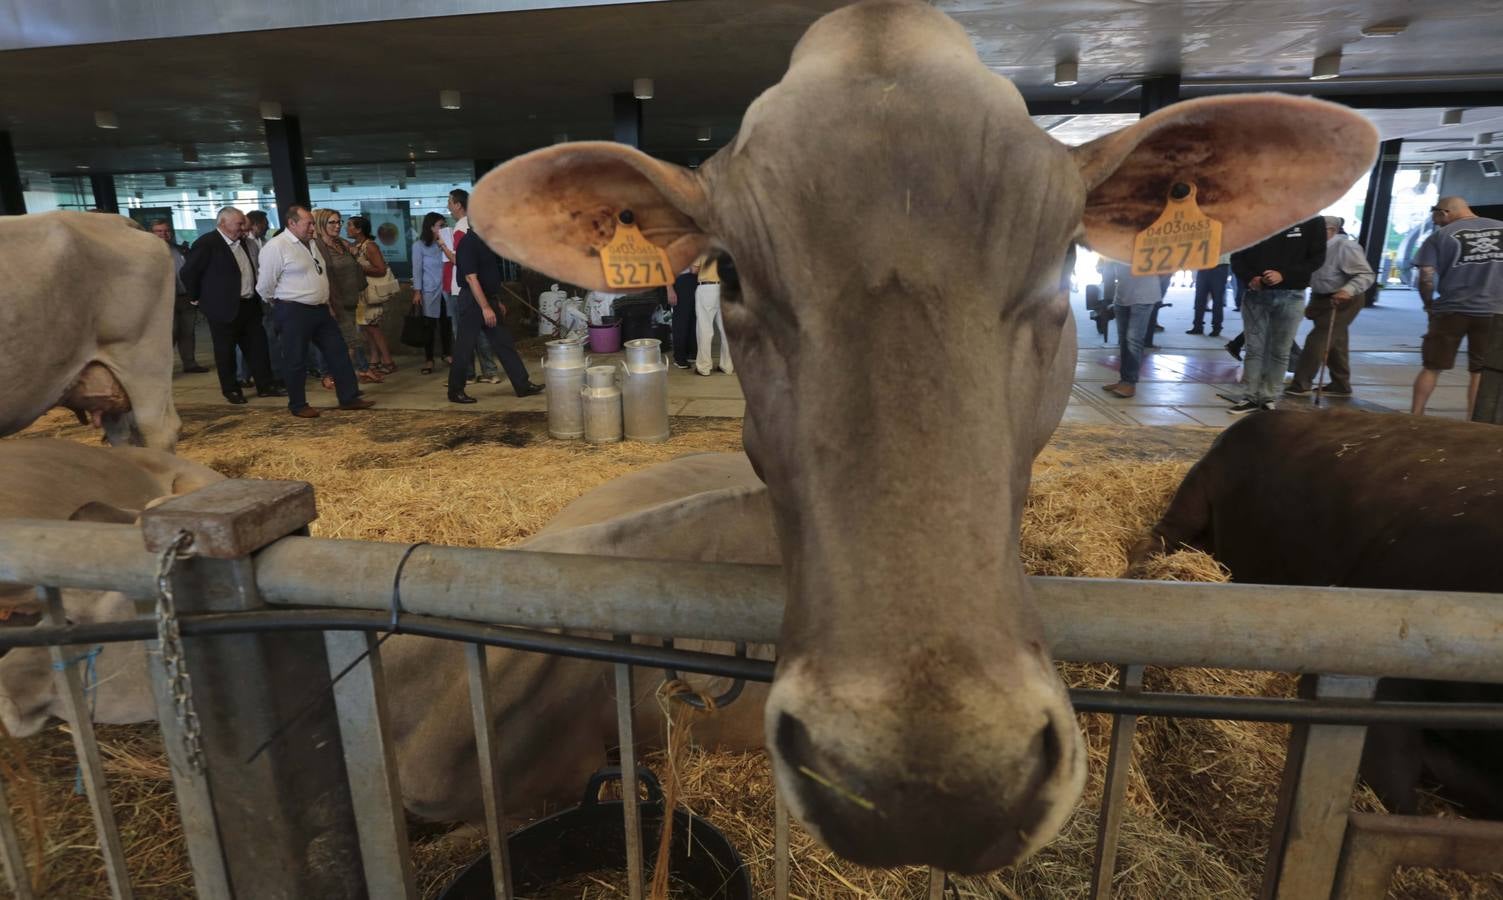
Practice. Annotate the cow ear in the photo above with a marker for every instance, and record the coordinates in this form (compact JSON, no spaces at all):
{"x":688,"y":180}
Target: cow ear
{"x":552,"y":210}
{"x":1258,"y":162}
{"x":94,"y":511}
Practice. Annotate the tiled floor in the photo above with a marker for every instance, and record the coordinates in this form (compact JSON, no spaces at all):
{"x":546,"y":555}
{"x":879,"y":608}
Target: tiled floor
{"x":1182,"y":380}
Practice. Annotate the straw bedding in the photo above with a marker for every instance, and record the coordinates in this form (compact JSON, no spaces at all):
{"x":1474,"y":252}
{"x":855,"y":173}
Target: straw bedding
{"x":1200,"y":796}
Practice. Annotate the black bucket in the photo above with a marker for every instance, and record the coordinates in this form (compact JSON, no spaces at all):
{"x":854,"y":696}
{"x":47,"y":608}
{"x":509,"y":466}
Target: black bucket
{"x":591,"y":837}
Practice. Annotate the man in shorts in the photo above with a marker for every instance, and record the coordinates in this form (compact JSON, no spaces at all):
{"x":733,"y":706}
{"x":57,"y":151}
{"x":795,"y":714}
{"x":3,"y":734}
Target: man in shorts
{"x":1461,"y":284}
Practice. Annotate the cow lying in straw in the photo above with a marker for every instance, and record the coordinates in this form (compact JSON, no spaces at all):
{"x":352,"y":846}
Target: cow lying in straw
{"x":1384,"y":502}
{"x":101,"y":289}
{"x":916,"y":716}
{"x":555,"y":716}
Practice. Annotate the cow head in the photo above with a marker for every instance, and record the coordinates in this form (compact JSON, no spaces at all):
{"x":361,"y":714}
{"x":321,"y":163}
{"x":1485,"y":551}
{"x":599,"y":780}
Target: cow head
{"x":895,"y":238}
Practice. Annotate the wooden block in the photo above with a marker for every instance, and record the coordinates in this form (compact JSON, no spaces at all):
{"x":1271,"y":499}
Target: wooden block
{"x":231,"y":519}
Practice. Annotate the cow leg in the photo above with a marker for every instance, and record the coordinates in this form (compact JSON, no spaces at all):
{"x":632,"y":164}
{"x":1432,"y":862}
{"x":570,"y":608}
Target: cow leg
{"x":144,"y":371}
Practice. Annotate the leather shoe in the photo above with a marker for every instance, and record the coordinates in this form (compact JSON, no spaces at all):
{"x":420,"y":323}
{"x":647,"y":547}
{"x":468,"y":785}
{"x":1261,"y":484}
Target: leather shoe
{"x":307,"y":412}
{"x":358,"y":403}
{"x":195,"y":370}
{"x":462,"y":398}
{"x":274,"y":392}
{"x":530,"y":390}
{"x":236,"y":397}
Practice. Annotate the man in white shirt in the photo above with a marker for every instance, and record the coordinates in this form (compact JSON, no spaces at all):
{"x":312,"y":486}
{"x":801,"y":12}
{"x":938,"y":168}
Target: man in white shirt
{"x":294,"y":278}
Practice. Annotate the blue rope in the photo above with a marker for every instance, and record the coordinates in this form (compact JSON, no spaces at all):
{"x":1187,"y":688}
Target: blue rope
{"x":91,"y":681}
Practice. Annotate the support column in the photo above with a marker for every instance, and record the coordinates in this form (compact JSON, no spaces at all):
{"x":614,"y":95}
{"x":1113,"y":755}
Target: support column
{"x":483,"y":166}
{"x":1375,"y":209}
{"x":1158,"y":92}
{"x":12,"y":200}
{"x":103,"y":186}
{"x":626,"y":113}
{"x":1489,"y":408}
{"x":289,"y":173}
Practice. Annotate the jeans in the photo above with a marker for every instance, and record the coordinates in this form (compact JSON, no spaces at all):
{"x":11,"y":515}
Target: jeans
{"x":708,"y":321}
{"x":1270,"y":319}
{"x":1132,"y":332}
{"x":472,"y":331}
{"x":301,"y":325}
{"x":1210,"y":292}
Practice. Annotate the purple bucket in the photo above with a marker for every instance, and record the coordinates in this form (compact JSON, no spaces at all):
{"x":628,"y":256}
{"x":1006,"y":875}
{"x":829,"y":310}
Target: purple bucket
{"x":606,"y":338}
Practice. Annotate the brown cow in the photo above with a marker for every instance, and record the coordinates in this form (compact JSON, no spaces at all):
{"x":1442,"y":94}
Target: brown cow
{"x":1356,"y":499}
{"x":916,"y":716}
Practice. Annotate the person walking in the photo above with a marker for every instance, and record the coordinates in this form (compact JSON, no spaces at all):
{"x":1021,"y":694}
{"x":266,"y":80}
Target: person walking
{"x":220,"y":276}
{"x":1461,"y":285}
{"x":681,"y":298}
{"x":368,"y":311}
{"x":1276,"y":271}
{"x":707,"y":319}
{"x":429,"y":289}
{"x":294,"y":276}
{"x":184,"y":311}
{"x":480,"y":280}
{"x":1336,"y":292}
{"x":449,"y":241}
{"x":1210,"y":293}
{"x":1134,"y":299}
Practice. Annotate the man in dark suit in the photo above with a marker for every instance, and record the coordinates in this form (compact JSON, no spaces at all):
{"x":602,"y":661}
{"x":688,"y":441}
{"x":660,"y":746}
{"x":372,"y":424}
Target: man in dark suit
{"x":221,"y":275}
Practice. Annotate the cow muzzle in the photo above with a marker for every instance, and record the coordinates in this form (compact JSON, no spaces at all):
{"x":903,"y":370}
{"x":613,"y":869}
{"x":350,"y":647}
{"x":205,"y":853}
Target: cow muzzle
{"x":967,"y":777}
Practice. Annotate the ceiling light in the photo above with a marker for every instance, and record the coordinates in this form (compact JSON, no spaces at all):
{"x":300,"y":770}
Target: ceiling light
{"x":190,"y":153}
{"x":561,"y":138}
{"x":247,"y":176}
{"x":1483,"y":139}
{"x":1450,"y":117}
{"x":448,"y":99}
{"x":105,"y":119}
{"x":272,"y":110}
{"x":1385,"y":29}
{"x":1327,"y":66}
{"x":1066,"y":73}
{"x":169,"y":180}
{"x":430,"y":149}
{"x":704,"y":133}
{"x":642,"y":88}
{"x":85,"y":168}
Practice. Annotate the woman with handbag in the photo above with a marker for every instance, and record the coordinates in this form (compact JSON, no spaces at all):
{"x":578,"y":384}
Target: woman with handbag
{"x":428,"y":297}
{"x":346,"y":284}
{"x":380,"y":286}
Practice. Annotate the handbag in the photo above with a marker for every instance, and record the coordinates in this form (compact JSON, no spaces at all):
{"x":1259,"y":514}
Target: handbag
{"x":379,"y":288}
{"x":415,"y":328}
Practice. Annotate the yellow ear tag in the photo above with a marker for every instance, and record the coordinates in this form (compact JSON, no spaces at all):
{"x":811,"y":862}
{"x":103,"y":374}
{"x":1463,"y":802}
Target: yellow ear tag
{"x":630,"y":261}
{"x":1182,"y":238}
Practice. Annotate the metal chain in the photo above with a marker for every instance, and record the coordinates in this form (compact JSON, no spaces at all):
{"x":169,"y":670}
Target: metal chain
{"x":170,"y":643}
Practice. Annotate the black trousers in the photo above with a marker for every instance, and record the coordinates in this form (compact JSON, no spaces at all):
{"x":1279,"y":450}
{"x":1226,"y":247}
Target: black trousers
{"x":472,"y":329}
{"x":184,"y":319}
{"x":685,"y":346}
{"x":302,"y":325}
{"x":439,"y":332}
{"x":244,"y":331}
{"x":1210,"y":291}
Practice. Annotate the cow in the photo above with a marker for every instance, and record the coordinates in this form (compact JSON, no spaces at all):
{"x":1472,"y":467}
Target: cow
{"x":1385,"y":501}
{"x":894,"y":238}
{"x":42,"y":478}
{"x":86,"y":324}
{"x":555,"y":716}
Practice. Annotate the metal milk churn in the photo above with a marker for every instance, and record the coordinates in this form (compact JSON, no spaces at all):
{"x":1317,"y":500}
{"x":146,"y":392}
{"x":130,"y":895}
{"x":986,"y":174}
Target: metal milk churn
{"x":644,"y":391}
{"x":550,"y":304}
{"x":564,"y":376}
{"x":602,"y":405}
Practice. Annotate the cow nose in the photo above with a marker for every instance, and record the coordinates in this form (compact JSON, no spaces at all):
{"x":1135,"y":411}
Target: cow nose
{"x":966,"y":795}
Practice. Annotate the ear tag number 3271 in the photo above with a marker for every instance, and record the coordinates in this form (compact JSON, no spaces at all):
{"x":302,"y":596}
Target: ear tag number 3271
{"x":630,"y":261}
{"x":1182,"y":238}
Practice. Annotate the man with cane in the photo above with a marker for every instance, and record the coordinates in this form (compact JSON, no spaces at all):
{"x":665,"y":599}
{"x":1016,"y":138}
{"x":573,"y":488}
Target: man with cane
{"x":1336,"y":291}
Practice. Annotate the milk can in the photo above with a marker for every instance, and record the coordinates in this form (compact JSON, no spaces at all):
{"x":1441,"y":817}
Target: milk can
{"x":644,"y":391}
{"x":602,"y":405}
{"x":564,"y":376}
{"x":549,"y":304}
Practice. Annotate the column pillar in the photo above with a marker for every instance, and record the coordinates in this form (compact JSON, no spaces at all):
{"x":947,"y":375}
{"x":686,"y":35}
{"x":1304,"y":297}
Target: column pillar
{"x":626,"y":118}
{"x":103,"y":186}
{"x":289,"y":171}
{"x":12,"y":200}
{"x":1375,"y":208}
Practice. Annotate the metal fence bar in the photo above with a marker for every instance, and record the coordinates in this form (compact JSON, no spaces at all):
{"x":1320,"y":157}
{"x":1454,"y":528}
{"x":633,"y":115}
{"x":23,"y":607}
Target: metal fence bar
{"x":371,"y":761}
{"x":780,"y":873}
{"x":487,"y":745}
{"x":633,"y":818}
{"x":67,"y":661}
{"x":1114,"y":789}
{"x":1315,"y":797}
{"x":10,"y":852}
{"x":1376,"y":845}
{"x":1402,"y":634}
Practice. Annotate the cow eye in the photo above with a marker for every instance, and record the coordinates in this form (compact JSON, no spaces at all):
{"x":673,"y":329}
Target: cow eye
{"x":730,"y":279}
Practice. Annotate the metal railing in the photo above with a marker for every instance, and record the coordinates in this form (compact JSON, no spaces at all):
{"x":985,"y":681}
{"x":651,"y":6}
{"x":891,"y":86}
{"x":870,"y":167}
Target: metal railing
{"x":247,"y":572}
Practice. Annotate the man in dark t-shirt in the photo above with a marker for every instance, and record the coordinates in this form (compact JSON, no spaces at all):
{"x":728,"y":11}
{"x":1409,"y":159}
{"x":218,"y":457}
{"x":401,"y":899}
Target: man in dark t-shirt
{"x":479,"y":271}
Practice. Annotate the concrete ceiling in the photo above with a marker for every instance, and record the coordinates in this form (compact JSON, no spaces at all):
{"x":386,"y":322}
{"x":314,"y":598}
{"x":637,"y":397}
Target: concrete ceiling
{"x":369,"y":92}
